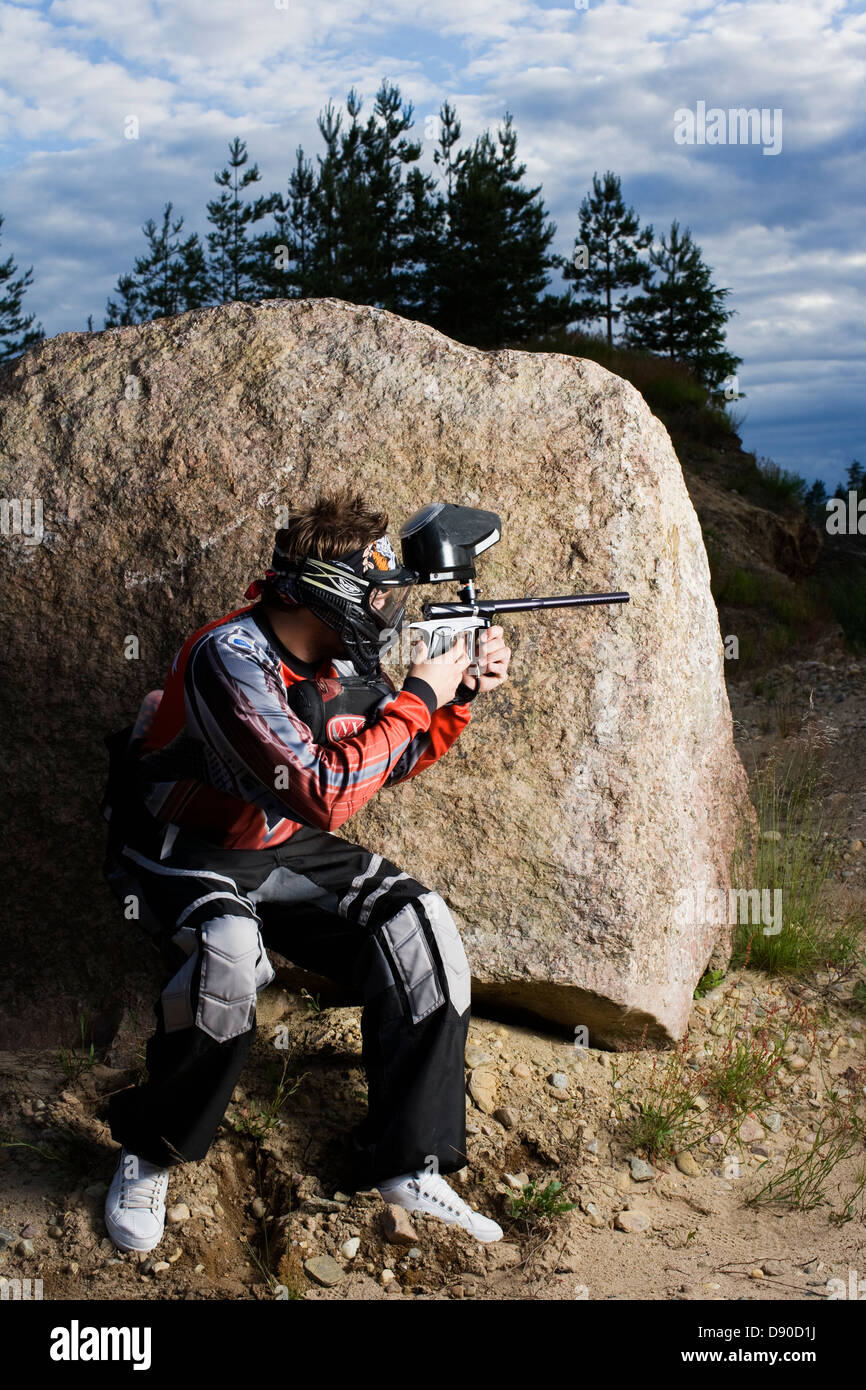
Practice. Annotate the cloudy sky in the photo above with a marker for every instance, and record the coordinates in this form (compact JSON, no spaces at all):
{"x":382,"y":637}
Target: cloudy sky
{"x":592,"y":85}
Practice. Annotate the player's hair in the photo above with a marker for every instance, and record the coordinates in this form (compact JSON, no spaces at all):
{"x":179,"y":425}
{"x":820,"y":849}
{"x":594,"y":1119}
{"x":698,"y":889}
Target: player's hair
{"x":337,"y":523}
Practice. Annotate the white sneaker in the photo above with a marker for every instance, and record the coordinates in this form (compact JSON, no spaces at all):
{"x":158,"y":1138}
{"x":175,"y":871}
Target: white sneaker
{"x":135,"y":1205}
{"x":429,"y":1192}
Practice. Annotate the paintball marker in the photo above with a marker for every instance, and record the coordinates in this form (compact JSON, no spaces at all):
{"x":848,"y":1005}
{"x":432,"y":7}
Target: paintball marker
{"x":440,"y":543}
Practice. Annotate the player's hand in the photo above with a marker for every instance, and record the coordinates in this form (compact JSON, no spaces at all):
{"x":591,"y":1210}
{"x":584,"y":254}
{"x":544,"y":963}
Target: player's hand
{"x":493,"y":659}
{"x":444,"y":673}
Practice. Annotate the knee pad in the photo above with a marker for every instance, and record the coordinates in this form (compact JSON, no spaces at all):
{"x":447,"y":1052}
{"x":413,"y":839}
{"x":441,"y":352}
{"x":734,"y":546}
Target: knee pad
{"x":234,"y":967}
{"x":426,"y":989}
{"x":458,"y":975}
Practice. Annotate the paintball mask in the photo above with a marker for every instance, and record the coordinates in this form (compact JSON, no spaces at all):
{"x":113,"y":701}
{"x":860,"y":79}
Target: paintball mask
{"x":362,"y":595}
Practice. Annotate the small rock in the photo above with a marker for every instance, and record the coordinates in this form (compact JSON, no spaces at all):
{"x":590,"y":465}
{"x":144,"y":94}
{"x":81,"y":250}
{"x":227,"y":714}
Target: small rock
{"x":482,"y":1089}
{"x":521,"y":1069}
{"x":591,"y":1146}
{"x":174,"y":1256}
{"x":558,"y":1080}
{"x":593,"y":1214}
{"x":178,"y":1213}
{"x":350,"y":1248}
{"x":505,"y":1117}
{"x":55,"y":1232}
{"x":569,"y":1264}
{"x":160,"y":1267}
{"x":517,"y":1180}
{"x":258,"y":1207}
{"x":750,"y":1131}
{"x":7,"y":1238}
{"x":28,"y":1231}
{"x":774,"y":1268}
{"x":199,"y":1269}
{"x":773,"y":1121}
{"x":397,"y":1226}
{"x":24,"y":1247}
{"x":634,"y":1222}
{"x":476,"y":1056}
{"x":387,"y":1277}
{"x":557,"y":1092}
{"x":641,"y":1171}
{"x":69,"y":1267}
{"x":324,"y":1270}
{"x":688,"y":1165}
{"x":756,"y":1274}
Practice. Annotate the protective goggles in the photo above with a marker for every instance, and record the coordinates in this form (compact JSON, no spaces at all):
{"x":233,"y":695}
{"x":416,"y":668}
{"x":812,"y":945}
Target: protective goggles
{"x":379,"y":595}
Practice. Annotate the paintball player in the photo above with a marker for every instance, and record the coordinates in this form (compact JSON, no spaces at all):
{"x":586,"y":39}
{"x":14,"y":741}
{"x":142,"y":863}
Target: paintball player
{"x":222,"y":805}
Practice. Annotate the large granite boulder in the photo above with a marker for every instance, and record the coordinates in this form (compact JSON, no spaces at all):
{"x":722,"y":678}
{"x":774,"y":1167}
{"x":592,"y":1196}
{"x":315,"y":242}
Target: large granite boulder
{"x":588,"y":793}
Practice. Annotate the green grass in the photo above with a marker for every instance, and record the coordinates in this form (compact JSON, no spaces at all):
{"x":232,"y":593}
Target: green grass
{"x":809,"y":1177}
{"x":665,"y":1117}
{"x":788,"y":801}
{"x":779,"y":616}
{"x":845,"y":597}
{"x":742,"y":588}
{"x":765,"y":483}
{"x":75,"y":1060}
{"x":742,"y":1075}
{"x":257,"y":1123}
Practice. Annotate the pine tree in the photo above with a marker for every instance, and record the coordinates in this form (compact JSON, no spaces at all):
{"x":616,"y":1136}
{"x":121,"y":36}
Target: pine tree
{"x":425,"y":245}
{"x":855,"y":480}
{"x":325,"y":255}
{"x":606,"y":256}
{"x":363,"y":208}
{"x":16,"y":335}
{"x":356,"y":264}
{"x":493,"y":270}
{"x":814,"y":501}
{"x":387,"y":271}
{"x":444,"y":156}
{"x":235,"y":269}
{"x":682,"y":315}
{"x":436,"y":282}
{"x":171,"y":279}
{"x":284,"y":255}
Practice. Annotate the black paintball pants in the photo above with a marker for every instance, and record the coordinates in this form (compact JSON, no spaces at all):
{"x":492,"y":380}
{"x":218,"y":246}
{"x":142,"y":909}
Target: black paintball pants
{"x":334,"y":908}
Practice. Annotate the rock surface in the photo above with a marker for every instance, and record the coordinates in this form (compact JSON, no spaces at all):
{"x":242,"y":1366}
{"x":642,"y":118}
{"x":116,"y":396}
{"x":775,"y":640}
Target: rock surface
{"x":599,"y":782}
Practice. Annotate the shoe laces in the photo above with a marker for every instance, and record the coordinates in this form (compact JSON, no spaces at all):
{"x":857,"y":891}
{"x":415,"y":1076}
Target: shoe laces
{"x":434,"y":1187}
{"x":146,"y":1191}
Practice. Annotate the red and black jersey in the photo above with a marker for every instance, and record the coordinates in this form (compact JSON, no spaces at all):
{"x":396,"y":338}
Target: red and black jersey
{"x":246,"y":771}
